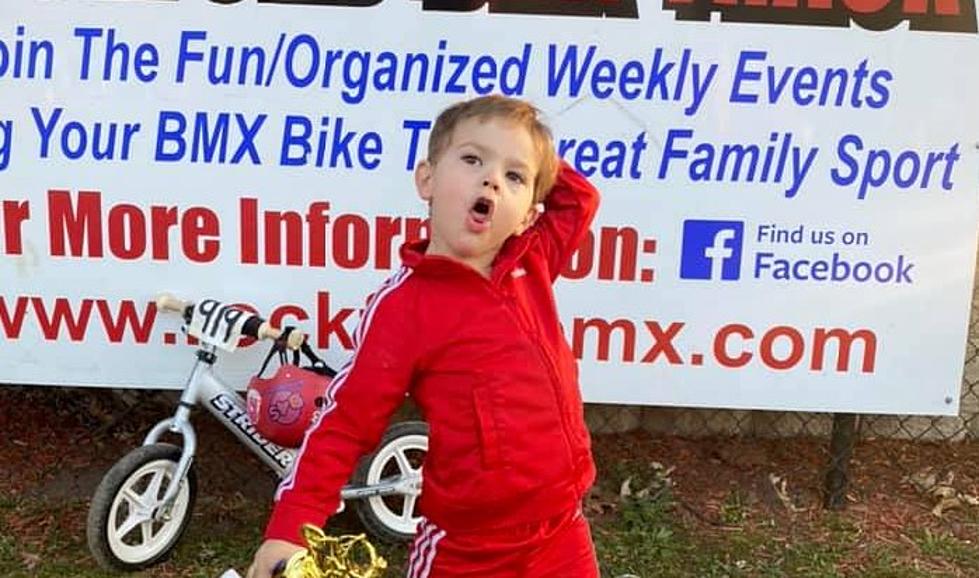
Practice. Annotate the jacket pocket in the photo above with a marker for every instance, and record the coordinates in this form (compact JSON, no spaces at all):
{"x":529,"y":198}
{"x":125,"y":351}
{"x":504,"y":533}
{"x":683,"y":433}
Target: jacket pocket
{"x":489,"y":435}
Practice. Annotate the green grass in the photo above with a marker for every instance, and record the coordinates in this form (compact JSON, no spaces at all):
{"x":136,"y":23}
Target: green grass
{"x":734,"y":510}
{"x":947,"y":547}
{"x":647,"y":534}
{"x":640,"y":538}
{"x":886,"y":563}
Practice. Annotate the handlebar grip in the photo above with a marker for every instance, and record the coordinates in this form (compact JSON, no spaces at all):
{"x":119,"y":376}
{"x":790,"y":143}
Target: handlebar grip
{"x":267,"y":331}
{"x":167,"y":302}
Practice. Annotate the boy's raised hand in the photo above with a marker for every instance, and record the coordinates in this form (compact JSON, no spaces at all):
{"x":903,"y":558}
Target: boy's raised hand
{"x":270,"y":553}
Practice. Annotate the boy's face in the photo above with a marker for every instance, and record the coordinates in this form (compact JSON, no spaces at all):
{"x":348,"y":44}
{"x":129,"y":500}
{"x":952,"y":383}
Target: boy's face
{"x":480,"y":190}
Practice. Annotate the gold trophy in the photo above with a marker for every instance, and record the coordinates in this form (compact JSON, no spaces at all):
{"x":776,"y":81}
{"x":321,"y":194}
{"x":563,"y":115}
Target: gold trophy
{"x":334,"y":557}
{"x":329,"y":557}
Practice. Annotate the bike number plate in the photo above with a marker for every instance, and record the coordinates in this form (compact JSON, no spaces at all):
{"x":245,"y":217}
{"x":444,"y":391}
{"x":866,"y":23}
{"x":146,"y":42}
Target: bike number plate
{"x":217,"y":324}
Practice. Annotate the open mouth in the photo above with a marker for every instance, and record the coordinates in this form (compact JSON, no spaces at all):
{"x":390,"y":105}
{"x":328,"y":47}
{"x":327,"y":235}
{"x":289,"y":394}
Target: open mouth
{"x":482,"y":210}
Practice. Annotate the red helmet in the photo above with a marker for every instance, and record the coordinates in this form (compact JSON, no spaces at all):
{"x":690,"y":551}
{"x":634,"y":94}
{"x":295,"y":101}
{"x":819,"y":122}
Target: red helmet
{"x":282,"y":407}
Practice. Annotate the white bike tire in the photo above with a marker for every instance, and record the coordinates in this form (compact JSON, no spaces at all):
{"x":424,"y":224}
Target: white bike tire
{"x":405,"y":441}
{"x":120,"y":534}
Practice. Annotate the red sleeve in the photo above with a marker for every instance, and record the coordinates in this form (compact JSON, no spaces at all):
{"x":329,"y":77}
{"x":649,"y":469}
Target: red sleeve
{"x":568,"y":212}
{"x":359,"y":404}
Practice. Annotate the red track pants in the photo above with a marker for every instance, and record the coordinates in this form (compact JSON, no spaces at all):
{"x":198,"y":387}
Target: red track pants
{"x":560,"y":547}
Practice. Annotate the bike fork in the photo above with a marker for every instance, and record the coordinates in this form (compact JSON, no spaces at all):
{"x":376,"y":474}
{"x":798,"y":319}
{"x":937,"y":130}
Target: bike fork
{"x":180,"y":424}
{"x":186,"y":431}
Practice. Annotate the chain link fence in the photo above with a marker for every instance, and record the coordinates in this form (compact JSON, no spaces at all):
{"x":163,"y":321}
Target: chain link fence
{"x":841,"y":436}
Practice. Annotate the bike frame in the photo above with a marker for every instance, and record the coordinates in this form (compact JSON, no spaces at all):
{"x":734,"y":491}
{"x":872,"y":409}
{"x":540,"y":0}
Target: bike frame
{"x":205,"y":387}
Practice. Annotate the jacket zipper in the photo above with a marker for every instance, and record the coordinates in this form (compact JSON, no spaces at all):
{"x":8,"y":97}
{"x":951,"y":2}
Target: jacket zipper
{"x":552,"y":373}
{"x":545,"y":359}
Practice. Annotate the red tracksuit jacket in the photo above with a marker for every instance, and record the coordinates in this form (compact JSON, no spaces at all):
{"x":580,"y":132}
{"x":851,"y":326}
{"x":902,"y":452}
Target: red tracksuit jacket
{"x":486,"y":362}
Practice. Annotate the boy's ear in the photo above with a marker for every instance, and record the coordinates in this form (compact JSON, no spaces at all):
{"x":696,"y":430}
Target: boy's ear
{"x":423,"y":180}
{"x":534,"y":213}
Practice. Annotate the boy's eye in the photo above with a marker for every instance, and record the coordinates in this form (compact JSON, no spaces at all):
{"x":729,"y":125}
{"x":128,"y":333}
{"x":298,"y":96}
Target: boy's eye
{"x":470,"y":159}
{"x":516,"y":177}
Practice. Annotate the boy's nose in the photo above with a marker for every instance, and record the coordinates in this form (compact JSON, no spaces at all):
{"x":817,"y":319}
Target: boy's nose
{"x":489,"y":183}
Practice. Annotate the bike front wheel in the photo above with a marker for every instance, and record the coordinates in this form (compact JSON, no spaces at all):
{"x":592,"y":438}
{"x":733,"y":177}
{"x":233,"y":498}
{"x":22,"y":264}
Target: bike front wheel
{"x":125,"y":530}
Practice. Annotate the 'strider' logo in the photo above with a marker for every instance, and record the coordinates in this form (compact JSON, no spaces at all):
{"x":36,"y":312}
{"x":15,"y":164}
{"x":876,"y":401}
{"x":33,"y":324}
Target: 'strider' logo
{"x":935,"y":15}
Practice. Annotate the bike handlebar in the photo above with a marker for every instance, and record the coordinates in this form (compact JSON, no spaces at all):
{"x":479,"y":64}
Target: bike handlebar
{"x":167,"y":302}
{"x":260,"y":330}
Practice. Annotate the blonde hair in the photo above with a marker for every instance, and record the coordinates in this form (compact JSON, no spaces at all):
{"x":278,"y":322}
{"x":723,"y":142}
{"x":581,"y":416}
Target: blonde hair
{"x":502,"y":107}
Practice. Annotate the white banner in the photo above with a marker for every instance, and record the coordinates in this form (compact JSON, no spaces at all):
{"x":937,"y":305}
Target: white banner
{"x":789,"y":192}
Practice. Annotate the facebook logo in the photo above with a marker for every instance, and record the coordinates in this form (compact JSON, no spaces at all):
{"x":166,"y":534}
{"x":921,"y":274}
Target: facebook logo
{"x":711,"y":250}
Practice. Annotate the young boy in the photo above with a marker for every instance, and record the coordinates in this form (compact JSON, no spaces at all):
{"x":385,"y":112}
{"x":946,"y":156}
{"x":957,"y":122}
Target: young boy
{"x":468,"y":327}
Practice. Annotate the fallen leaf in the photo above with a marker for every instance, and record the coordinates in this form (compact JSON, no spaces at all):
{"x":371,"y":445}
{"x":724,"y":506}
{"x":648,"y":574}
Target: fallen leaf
{"x":626,"y":489}
{"x":779,"y":484}
{"x":29,"y":560}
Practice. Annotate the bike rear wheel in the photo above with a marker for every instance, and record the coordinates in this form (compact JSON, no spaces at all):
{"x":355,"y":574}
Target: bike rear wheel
{"x":399,"y":455}
{"x":123,"y":530}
